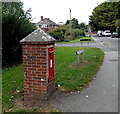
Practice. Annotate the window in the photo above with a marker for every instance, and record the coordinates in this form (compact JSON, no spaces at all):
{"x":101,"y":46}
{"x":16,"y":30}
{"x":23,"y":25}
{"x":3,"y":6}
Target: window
{"x":44,"y":26}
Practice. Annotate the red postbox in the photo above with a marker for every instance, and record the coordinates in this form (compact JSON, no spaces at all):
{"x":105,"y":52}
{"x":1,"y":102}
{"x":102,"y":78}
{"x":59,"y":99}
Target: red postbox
{"x":38,"y":65}
{"x":51,"y":63}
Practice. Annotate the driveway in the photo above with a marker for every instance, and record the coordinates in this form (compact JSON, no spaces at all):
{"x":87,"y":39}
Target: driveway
{"x":102,"y":94}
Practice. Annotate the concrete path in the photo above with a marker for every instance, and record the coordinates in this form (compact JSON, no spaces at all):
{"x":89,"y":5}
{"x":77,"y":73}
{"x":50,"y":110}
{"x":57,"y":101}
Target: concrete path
{"x":101,"y":95}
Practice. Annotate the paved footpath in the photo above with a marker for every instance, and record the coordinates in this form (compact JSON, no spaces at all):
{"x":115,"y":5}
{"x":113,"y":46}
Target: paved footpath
{"x":100,"y":96}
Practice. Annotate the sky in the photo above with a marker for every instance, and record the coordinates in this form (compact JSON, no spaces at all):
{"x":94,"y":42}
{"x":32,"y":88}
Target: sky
{"x":58,"y":10}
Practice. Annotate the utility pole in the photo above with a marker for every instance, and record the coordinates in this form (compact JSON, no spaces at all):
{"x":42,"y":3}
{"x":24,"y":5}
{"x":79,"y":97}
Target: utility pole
{"x":70,"y":24}
{"x":89,"y":31}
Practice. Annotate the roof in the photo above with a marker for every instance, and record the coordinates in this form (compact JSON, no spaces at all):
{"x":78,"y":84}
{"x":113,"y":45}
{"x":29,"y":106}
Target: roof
{"x":38,"y":35}
{"x":46,"y":21}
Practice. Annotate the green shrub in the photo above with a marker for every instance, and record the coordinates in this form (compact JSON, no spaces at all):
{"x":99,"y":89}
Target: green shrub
{"x":118,"y":26}
{"x":63,"y":33}
{"x":73,"y":34}
{"x":67,"y":38}
{"x":58,"y":33}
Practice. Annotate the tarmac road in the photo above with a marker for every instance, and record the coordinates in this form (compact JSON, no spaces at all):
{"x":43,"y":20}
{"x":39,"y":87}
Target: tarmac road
{"x":102,"y":94}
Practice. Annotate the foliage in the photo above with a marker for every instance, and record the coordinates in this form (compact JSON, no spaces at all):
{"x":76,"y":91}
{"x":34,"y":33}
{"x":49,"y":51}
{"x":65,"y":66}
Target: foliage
{"x":75,"y":33}
{"x":58,"y":33}
{"x":15,"y":26}
{"x":104,"y":16}
{"x":82,"y":26}
{"x":118,"y":26}
{"x":75,"y":24}
{"x":63,"y":33}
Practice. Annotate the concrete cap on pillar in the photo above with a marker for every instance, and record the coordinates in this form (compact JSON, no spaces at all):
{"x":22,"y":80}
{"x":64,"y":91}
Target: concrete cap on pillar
{"x":38,"y":37}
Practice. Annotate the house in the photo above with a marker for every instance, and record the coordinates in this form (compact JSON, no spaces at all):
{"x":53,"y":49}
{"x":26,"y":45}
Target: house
{"x":46,"y":24}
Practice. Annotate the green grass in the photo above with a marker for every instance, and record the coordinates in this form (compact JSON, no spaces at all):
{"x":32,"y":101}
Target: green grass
{"x":71,"y":78}
{"x":12,"y":82}
{"x":76,"y":40}
{"x":87,"y":38}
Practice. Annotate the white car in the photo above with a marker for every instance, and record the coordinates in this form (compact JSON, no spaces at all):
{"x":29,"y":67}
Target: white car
{"x":107,"y":33}
{"x":100,"y":33}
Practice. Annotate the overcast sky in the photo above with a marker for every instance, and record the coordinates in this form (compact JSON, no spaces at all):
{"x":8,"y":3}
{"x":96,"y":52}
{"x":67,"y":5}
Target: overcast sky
{"x":58,"y":10}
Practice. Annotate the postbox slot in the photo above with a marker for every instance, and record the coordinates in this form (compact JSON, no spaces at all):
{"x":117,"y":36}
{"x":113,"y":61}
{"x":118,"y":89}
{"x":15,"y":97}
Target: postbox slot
{"x":51,"y":63}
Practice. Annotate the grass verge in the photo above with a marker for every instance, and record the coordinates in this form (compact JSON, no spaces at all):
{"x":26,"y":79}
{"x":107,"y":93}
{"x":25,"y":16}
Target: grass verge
{"x":76,"y":40}
{"x":72,"y":78}
{"x":67,"y":76}
{"x":12,"y":84}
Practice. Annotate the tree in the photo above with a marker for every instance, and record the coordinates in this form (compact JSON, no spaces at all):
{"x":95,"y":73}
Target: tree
{"x":82,"y":25}
{"x":104,"y":16}
{"x":118,"y":26}
{"x":15,"y":26}
{"x":75,"y":23}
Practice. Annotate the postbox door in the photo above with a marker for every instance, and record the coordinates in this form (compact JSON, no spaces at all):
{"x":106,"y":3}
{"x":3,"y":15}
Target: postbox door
{"x":51,"y":63}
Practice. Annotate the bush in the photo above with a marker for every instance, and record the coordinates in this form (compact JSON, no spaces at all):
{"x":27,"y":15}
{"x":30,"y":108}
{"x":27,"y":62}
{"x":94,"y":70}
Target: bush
{"x":67,"y":38}
{"x":75,"y":33}
{"x":118,"y":26}
{"x":63,"y":33}
{"x":58,"y":33}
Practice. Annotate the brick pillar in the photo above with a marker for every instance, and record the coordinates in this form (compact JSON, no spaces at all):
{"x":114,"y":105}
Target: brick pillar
{"x":36,"y":66}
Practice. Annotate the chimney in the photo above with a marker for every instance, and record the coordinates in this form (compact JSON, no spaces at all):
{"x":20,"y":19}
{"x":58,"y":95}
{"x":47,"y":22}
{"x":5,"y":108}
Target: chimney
{"x":41,"y":18}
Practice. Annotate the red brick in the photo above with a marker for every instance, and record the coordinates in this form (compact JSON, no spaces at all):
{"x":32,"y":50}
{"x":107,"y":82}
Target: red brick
{"x":36,"y":66}
{"x":27,"y":65}
{"x":43,"y":54}
{"x":41,"y":81}
{"x":41,"y":69}
{"x":25,"y":68}
{"x":29,"y":45}
{"x":44,"y":72}
{"x":27,"y":82}
{"x":31,"y":68}
{"x":41,"y":57}
{"x":31,"y":86}
{"x":43,"y":48}
{"x":44,"y":85}
{"x":26,"y":89}
{"x":36,"y":83}
{"x":35,"y":48}
{"x":26,"y":48}
{"x":35,"y":54}
{"x":42,"y":75}
{"x":32,"y":74}
{"x":45,"y":88}
{"x":44,"y":66}
{"x":25,"y":59}
{"x":36,"y":89}
{"x":27,"y":77}
{"x":27,"y":71}
{"x":41,"y":63}
{"x":31,"y":62}
{"x":44,"y":61}
{"x":31,"y":51}
{"x":37,"y":72}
